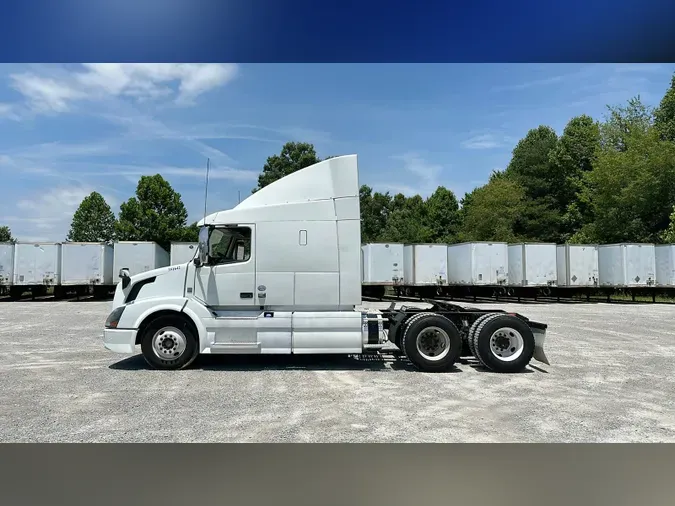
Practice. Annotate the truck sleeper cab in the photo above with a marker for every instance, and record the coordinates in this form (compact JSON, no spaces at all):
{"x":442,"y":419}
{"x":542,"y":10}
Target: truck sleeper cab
{"x":280,"y":274}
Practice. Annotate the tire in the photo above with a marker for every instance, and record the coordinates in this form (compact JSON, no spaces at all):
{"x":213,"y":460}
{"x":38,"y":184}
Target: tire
{"x":486,"y":343}
{"x":431,"y":342}
{"x":403,"y":329}
{"x":175,"y":329}
{"x":472,"y":331}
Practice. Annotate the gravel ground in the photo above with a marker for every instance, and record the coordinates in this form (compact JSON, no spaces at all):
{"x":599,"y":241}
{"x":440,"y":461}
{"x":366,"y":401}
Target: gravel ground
{"x":611,"y":380}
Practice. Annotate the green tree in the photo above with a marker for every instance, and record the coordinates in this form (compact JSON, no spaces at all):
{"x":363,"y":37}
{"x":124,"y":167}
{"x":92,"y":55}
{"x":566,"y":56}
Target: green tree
{"x":156,"y":213}
{"x":190,"y":233}
{"x":293,"y":157}
{"x":490,"y":213}
{"x":668,"y":235}
{"x":442,"y":212}
{"x":6,"y":235}
{"x":664,"y":115}
{"x":530,"y":164}
{"x":375,"y":211}
{"x":531,"y":168}
{"x":408,"y":221}
{"x":93,"y":221}
{"x":574,"y":156}
{"x":624,"y":124}
{"x":632,"y":189}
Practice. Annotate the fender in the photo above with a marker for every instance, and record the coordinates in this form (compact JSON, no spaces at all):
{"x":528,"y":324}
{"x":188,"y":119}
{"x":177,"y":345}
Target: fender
{"x":135,"y":313}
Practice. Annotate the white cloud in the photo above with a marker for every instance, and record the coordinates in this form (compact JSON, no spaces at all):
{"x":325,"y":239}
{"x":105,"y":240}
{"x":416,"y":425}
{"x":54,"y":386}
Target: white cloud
{"x":425,"y":174}
{"x":150,"y":80}
{"x":640,"y":67}
{"x":133,"y":172}
{"x":226,"y":173}
{"x":8,"y":111}
{"x":576,"y":75}
{"x":484,"y":141}
{"x":45,"y":94}
{"x":50,"y":212}
{"x":142,"y":127}
{"x":529,"y":84}
{"x":141,"y":81}
{"x":425,"y":171}
{"x":58,"y":203}
{"x":60,"y":150}
{"x":427,"y":177}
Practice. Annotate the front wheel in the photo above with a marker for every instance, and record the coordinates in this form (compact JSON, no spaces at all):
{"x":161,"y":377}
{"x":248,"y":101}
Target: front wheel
{"x":169,"y":343}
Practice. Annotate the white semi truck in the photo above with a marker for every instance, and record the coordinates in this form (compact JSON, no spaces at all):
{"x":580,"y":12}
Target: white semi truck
{"x":280,"y":273}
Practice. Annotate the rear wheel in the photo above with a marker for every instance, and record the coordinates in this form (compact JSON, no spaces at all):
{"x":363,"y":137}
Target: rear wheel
{"x":169,"y":343}
{"x":472,"y":332}
{"x":431,"y":342}
{"x":503,"y":343}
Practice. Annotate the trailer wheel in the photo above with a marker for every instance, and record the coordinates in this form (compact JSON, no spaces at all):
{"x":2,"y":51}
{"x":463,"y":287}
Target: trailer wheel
{"x":169,"y":343}
{"x":503,"y":343}
{"x":472,"y":332}
{"x":431,"y":342}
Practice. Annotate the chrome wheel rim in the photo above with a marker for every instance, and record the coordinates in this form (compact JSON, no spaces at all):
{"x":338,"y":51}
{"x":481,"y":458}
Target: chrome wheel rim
{"x":507,"y":344}
{"x":433,"y":343}
{"x":169,"y":343}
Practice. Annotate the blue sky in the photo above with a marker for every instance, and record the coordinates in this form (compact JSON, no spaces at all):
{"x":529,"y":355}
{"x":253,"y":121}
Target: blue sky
{"x":66,"y":130}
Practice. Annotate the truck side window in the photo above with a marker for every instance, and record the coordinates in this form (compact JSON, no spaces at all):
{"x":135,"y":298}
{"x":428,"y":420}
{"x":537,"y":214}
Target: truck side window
{"x":229,"y":245}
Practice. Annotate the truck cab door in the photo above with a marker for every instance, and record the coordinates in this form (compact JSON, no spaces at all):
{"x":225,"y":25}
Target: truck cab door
{"x":226,"y":285}
{"x":227,"y":282}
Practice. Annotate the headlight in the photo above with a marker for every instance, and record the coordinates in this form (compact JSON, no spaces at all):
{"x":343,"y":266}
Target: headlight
{"x":114,"y":318}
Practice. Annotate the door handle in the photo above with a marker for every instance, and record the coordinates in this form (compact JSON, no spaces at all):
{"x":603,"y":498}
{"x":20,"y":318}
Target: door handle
{"x":246,"y":295}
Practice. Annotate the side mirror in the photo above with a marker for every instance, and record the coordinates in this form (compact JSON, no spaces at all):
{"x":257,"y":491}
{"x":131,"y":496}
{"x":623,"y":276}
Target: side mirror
{"x":202,"y":256}
{"x":126,"y":278}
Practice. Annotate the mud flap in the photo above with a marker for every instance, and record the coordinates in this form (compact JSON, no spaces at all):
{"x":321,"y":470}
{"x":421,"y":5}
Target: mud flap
{"x":539,"y":337}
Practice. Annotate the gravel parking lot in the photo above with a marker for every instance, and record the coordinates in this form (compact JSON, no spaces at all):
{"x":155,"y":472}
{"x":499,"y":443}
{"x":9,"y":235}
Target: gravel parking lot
{"x":611,"y":380}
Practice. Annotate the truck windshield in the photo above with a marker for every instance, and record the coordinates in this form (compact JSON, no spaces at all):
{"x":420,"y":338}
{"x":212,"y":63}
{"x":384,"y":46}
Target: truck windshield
{"x":228,"y":245}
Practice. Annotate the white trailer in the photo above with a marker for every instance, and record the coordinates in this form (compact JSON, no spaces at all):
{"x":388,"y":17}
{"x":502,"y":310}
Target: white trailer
{"x":182,"y":252}
{"x":6,"y":266}
{"x":577,"y":265}
{"x":627,"y":265}
{"x":382,"y":264}
{"x":665,"y":264}
{"x":86,"y":265}
{"x":280,"y":274}
{"x":138,"y":257}
{"x":532,"y":264}
{"x":425,"y":264}
{"x":478,"y":263}
{"x":36,"y":267}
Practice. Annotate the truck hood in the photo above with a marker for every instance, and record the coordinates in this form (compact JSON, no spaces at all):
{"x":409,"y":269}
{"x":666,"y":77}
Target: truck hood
{"x":169,"y":280}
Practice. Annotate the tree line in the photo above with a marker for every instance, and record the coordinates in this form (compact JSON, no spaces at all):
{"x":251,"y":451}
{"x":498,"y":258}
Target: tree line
{"x":598,"y":182}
